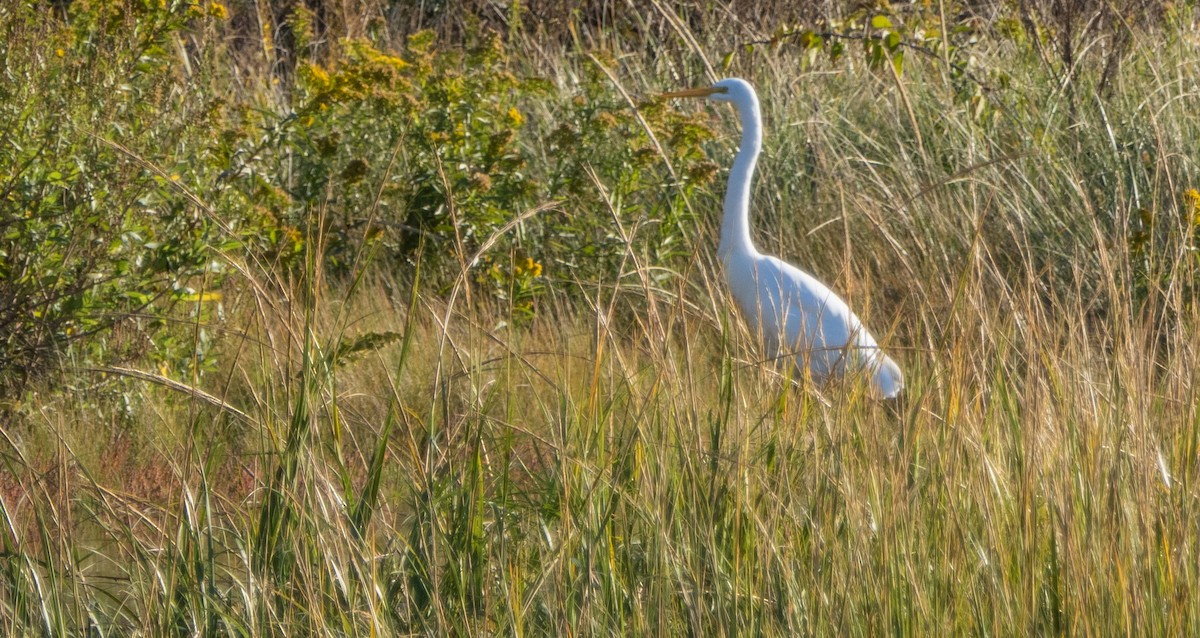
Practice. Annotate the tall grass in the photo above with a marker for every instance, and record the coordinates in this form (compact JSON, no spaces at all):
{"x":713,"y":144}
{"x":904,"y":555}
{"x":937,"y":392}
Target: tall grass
{"x":379,"y":458}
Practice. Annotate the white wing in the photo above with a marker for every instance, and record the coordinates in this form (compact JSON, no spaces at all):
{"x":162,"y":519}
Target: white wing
{"x":799,"y":317}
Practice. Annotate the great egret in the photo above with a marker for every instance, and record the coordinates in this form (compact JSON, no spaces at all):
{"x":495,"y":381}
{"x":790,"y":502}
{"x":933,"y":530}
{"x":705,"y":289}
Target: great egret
{"x":796,"y":316}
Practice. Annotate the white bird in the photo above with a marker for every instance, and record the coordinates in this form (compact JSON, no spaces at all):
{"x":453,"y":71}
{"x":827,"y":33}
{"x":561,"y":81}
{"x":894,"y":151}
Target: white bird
{"x":795,"y":315}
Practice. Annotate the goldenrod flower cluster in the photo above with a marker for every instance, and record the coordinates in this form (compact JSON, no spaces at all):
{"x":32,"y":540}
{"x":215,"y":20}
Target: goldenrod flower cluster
{"x":1191,"y":198}
{"x":528,"y":266}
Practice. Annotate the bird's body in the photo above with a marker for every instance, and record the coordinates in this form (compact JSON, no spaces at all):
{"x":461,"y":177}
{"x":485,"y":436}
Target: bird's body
{"x":797,"y":317}
{"x":801,"y":319}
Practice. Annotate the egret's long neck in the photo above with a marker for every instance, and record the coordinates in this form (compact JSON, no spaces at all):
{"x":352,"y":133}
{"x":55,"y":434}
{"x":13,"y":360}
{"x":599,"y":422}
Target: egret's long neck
{"x":735,"y":226}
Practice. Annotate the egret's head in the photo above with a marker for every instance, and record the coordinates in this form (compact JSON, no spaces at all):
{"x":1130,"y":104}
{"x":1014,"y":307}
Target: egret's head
{"x":726,"y":90}
{"x":734,"y":90}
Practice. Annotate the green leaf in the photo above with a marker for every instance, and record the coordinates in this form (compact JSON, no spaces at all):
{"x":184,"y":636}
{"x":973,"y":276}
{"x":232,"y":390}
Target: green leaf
{"x":875,"y":55}
{"x":836,"y":50}
{"x":881,"y":22}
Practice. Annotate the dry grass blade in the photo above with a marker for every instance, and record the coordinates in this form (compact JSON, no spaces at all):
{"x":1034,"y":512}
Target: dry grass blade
{"x":181,"y":388}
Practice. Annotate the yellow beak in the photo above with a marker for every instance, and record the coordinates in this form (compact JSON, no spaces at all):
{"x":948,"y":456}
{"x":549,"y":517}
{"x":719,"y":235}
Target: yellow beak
{"x":704,"y":92}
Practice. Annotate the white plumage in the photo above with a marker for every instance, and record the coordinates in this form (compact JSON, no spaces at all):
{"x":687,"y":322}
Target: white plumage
{"x":797,"y":316}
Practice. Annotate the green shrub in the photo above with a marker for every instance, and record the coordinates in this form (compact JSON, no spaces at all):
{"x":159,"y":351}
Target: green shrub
{"x":431,"y":151}
{"x":99,"y":222}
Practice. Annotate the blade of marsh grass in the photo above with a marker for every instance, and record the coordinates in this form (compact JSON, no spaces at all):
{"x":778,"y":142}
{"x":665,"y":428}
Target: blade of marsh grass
{"x":177,"y":386}
{"x":361,"y":512}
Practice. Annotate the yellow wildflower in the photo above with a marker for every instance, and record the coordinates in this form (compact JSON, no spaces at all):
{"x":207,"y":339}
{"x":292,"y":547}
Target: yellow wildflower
{"x":533,"y":268}
{"x":515,"y":118}
{"x":1192,"y":197}
{"x":59,"y":52}
{"x":217,"y":10}
{"x":318,"y":76}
